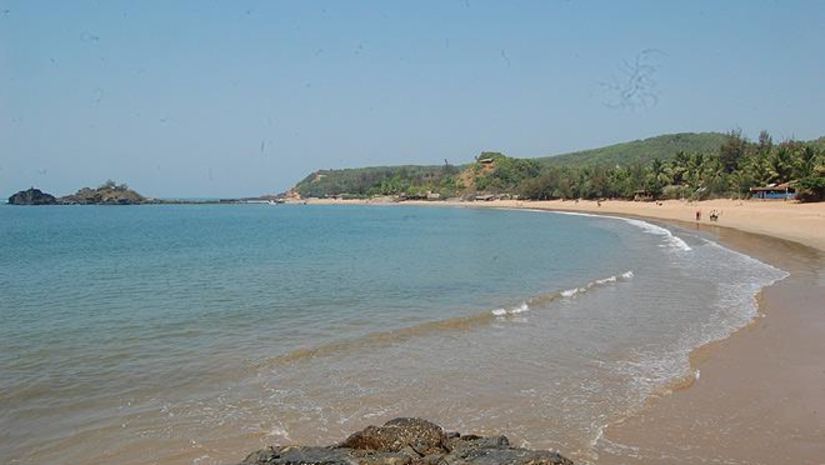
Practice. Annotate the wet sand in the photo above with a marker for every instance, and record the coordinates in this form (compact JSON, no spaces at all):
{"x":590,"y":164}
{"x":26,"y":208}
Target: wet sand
{"x":760,"y":396}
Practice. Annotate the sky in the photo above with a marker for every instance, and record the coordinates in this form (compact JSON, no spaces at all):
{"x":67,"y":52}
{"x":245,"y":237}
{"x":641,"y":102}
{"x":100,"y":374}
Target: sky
{"x":236,"y":98}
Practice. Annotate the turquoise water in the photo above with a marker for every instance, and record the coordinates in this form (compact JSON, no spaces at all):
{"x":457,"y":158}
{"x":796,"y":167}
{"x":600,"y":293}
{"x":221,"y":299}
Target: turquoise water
{"x":193,"y":334}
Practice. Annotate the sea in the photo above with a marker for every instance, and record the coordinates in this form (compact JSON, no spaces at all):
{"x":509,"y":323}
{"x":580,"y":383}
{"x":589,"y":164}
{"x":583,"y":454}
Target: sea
{"x":194,"y":334}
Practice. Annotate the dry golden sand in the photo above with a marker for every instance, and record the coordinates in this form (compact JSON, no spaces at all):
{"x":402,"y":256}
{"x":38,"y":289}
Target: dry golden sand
{"x":760,"y":398}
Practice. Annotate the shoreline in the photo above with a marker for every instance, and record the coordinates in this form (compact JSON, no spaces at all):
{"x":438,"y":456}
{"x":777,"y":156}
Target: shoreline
{"x":791,"y":221}
{"x":761,"y":394}
{"x":759,"y":398}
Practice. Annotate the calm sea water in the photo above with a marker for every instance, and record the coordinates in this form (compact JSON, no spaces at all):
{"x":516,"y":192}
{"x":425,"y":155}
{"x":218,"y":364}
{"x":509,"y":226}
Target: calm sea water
{"x":194,"y":334}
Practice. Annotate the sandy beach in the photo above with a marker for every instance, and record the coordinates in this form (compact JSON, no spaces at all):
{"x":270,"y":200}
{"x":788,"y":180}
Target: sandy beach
{"x":760,"y":396}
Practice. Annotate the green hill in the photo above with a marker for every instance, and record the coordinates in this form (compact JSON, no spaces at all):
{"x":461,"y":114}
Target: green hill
{"x":372,"y":180}
{"x":720,"y":164}
{"x":663,"y":147}
{"x":416,"y":179}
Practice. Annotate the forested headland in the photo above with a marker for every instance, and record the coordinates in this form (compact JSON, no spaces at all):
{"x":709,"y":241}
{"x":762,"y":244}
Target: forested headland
{"x":687,"y":165}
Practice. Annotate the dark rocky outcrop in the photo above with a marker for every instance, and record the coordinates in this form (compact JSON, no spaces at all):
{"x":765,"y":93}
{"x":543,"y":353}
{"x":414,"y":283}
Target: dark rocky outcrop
{"x":423,"y":437}
{"x":408,"y":441}
{"x":107,"y":194}
{"x":32,"y":197}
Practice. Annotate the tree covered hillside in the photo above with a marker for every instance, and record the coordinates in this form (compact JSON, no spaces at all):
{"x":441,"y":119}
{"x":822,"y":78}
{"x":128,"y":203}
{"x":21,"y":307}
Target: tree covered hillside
{"x":663,"y":147}
{"x":671,"y":166}
{"x":379,"y":180}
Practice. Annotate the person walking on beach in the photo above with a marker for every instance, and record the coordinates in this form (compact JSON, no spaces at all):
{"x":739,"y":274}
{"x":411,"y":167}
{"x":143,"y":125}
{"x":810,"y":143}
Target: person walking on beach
{"x":698,"y":215}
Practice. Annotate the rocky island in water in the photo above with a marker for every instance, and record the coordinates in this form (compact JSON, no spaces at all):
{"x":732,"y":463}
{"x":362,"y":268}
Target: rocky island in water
{"x":408,"y":441}
{"x":32,"y":196}
{"x":109,"y":193}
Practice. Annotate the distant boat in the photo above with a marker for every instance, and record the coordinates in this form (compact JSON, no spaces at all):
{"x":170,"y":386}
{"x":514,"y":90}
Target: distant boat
{"x":276,"y":201}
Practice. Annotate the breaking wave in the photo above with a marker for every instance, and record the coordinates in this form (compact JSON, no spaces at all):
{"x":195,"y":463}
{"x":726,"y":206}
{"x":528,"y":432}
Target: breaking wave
{"x":671,"y":240}
{"x":458,"y":323}
{"x":599,"y":282}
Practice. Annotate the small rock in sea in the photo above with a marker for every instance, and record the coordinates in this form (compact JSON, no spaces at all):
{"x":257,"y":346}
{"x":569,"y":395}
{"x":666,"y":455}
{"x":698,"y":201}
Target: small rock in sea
{"x":32,"y":197}
{"x":408,"y":441}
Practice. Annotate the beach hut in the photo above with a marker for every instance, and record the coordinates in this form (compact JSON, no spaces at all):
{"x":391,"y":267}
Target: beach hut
{"x":643,"y":195}
{"x":783,"y":191}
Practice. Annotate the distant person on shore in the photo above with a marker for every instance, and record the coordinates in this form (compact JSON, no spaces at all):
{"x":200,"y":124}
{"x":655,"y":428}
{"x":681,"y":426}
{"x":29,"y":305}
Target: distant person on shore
{"x":698,"y":215}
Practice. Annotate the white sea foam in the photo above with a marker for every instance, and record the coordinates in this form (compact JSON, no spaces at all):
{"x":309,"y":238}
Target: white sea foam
{"x":649,"y":228}
{"x":567,"y":293}
{"x":570,"y":292}
{"x":611,"y":279}
{"x":599,"y":282}
{"x":202,"y":460}
{"x":672,"y":240}
{"x":737,"y":278}
{"x":521,"y":308}
{"x":279,"y":431}
{"x":513,"y":311}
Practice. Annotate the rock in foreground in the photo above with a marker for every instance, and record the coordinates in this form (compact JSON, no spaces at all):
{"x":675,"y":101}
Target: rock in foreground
{"x":32,"y":197}
{"x":408,"y":441}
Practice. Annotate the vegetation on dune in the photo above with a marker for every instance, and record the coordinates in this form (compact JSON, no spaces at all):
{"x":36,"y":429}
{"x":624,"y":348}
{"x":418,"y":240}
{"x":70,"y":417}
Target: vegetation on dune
{"x":716,"y":165}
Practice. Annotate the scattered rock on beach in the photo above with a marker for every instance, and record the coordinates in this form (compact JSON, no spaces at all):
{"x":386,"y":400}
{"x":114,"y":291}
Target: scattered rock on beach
{"x":408,"y":441}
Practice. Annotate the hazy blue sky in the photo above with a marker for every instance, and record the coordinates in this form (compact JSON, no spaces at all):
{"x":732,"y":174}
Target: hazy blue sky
{"x":234,"y":98}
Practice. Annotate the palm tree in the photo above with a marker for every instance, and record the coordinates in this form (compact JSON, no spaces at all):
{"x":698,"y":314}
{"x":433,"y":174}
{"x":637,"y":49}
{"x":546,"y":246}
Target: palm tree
{"x":806,"y":162}
{"x":780,"y":165}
